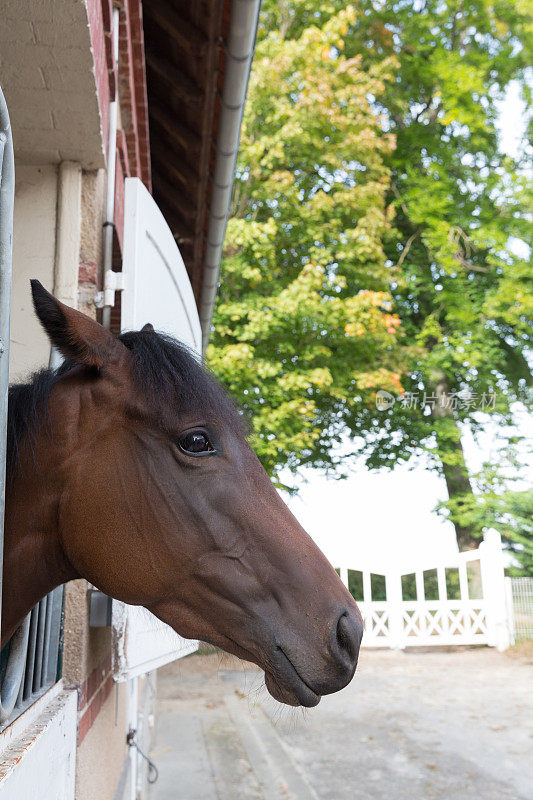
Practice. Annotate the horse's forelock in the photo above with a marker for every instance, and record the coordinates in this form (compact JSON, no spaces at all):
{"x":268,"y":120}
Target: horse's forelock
{"x":172,"y":378}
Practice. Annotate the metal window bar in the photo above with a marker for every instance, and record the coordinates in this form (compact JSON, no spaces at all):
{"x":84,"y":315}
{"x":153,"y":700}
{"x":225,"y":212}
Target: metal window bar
{"x":7,"y":195}
{"x":31,"y":661}
{"x":38,"y":659}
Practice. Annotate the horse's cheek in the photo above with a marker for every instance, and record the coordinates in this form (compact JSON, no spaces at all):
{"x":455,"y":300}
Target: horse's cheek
{"x":101,"y":531}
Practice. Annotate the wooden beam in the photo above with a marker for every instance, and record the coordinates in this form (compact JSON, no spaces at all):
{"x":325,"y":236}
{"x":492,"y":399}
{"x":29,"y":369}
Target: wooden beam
{"x":174,"y":197}
{"x":179,"y":84}
{"x":189,"y":37}
{"x":177,"y":225}
{"x":175,"y":130}
{"x":166,"y":160}
{"x":207,"y":126}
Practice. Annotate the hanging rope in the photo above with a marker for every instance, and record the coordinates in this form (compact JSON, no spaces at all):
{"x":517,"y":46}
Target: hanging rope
{"x":153,"y":772}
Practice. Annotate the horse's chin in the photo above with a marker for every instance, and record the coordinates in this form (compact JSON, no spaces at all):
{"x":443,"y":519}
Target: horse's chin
{"x":298,"y":695}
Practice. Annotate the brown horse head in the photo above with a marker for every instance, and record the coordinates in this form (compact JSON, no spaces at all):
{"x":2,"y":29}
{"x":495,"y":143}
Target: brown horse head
{"x":155,"y":497}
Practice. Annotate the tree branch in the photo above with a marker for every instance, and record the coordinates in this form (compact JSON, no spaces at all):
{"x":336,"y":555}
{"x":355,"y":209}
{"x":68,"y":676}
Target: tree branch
{"x":407,"y":247}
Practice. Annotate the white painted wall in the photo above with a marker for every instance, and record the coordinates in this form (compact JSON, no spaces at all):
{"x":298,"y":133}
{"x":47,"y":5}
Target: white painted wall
{"x":68,"y":233}
{"x":34,"y":244}
{"x":41,"y":762}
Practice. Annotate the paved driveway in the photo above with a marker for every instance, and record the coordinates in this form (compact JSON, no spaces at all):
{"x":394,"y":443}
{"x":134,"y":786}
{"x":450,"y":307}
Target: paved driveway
{"x":411,"y":725}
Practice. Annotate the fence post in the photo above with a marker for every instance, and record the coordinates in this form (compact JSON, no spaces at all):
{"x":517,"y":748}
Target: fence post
{"x":344,"y":575}
{"x":393,"y":584}
{"x":494,"y":591}
{"x":510,"y":609}
{"x":443,"y":601}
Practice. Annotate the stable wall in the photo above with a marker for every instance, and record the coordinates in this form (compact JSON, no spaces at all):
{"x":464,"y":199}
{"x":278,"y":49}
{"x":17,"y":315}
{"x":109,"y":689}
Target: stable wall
{"x":102,"y":752}
{"x":54,"y":64}
{"x":51,"y":81}
{"x":38,"y":757}
{"x":34,"y":244}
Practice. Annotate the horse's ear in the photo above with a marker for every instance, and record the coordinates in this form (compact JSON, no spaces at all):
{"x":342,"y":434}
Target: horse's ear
{"x":148,"y":327}
{"x":77,"y":337}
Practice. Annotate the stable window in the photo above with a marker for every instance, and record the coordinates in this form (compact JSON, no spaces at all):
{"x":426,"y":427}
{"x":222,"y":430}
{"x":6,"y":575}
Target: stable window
{"x":30,"y":663}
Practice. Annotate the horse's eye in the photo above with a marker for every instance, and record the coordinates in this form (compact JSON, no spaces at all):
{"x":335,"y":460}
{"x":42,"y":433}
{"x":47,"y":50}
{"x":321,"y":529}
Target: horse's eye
{"x":195,"y":443}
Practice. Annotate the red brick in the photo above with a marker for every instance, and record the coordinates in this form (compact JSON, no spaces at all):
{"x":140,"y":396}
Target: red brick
{"x":134,"y":103}
{"x":88,"y":272}
{"x":97,"y":31}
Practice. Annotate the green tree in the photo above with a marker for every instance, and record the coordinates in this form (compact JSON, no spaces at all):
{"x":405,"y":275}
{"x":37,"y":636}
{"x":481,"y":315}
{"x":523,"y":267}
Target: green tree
{"x":516,"y":523}
{"x":304,"y":327}
{"x":465,"y":297}
{"x":441,"y":210}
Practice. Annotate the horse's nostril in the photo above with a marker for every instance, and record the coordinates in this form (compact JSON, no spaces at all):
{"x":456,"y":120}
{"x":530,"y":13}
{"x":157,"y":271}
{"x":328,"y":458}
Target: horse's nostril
{"x":348,"y":637}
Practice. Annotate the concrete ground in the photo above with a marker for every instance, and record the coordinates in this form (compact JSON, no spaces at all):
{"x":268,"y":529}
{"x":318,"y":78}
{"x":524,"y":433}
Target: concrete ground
{"x":447,"y":725}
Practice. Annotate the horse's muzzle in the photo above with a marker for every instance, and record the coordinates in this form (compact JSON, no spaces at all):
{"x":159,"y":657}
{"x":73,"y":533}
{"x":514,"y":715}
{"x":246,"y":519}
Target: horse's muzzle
{"x":294,"y":683}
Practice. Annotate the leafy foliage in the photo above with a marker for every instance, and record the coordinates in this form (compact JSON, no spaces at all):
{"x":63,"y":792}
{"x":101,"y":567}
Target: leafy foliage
{"x":304,"y":328}
{"x":516,"y":524}
{"x":465,"y":295}
{"x":379,"y":237}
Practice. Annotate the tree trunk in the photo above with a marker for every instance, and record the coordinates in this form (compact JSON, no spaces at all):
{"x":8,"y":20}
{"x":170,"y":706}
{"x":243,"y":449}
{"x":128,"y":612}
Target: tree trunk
{"x":453,"y":460}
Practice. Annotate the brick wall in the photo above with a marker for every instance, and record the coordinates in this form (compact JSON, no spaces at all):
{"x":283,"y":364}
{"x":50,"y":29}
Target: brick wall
{"x":92,"y":694}
{"x":132,"y":90}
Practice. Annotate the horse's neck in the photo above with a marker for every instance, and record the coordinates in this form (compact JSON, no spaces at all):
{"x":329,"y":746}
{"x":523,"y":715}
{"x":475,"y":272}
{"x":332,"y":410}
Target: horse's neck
{"x":34,"y":562}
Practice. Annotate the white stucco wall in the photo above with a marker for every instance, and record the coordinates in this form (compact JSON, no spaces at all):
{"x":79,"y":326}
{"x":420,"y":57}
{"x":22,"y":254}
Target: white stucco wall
{"x":34,"y":244}
{"x":41,"y":761}
{"x":49,"y":81}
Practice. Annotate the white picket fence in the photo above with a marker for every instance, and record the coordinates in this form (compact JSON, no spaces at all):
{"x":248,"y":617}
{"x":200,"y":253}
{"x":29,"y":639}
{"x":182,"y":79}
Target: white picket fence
{"x":470,"y":604}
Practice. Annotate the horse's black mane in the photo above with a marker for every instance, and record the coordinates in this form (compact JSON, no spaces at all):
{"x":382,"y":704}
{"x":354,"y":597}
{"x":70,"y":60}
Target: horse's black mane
{"x":25,"y":406}
{"x":165,"y":370}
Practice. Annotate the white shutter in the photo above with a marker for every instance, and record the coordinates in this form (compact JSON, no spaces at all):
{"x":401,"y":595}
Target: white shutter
{"x":157,"y":290}
{"x":156,"y":285}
